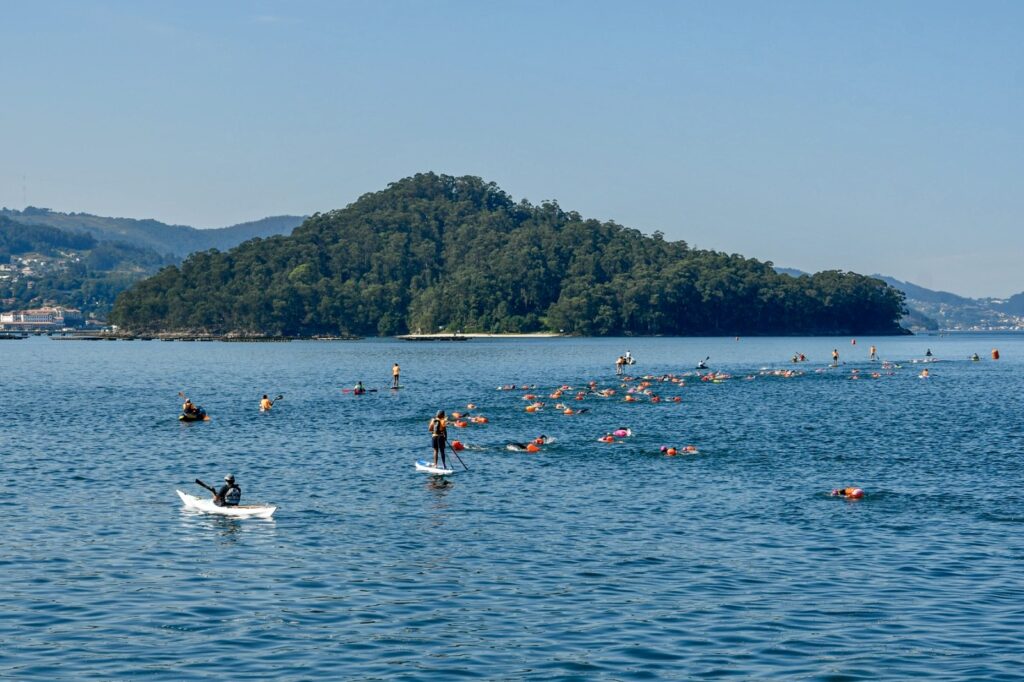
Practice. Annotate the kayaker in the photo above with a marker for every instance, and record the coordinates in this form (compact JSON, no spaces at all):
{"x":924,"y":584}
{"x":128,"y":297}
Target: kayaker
{"x":359,"y":389}
{"x":266,"y":403}
{"x":438,"y":428}
{"x":188,"y":408}
{"x":229,"y":495}
{"x":395,"y":371}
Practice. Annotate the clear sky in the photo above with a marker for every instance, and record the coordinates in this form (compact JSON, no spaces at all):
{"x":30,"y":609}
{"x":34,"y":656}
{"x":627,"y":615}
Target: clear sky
{"x":868,"y":136}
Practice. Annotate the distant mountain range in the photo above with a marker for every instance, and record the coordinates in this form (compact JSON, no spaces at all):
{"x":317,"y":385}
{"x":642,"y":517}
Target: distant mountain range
{"x":84,"y":261}
{"x":177,"y":240}
{"x":931,"y":310}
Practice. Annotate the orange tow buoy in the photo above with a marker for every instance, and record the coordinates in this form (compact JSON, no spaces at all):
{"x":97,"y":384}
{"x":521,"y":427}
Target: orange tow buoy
{"x":532,"y":448}
{"x":995,"y":353}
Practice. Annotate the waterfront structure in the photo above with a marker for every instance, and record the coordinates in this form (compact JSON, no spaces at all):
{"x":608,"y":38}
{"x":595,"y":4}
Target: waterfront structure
{"x":42,"y":319}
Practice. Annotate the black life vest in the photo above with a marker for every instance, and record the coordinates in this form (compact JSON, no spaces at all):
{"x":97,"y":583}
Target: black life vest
{"x":233,"y":496}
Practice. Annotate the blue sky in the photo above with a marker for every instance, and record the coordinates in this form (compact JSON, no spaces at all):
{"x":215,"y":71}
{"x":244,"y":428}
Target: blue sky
{"x":868,"y":136}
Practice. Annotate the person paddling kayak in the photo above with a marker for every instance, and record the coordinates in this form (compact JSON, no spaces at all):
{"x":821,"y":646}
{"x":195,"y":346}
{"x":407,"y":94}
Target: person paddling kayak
{"x":438,"y":428}
{"x":266,"y":403}
{"x":229,"y":495}
{"x":359,"y":388}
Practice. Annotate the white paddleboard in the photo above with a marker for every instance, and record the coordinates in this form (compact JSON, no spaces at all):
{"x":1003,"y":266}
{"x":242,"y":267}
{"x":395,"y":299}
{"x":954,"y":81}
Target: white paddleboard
{"x":428,"y":467}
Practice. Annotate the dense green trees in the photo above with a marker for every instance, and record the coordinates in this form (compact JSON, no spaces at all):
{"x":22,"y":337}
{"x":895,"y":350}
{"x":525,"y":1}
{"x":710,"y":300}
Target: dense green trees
{"x":435,"y":251}
{"x":69,"y":268}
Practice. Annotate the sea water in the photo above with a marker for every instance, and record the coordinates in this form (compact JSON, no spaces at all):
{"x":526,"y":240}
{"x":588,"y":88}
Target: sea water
{"x":584,"y":561}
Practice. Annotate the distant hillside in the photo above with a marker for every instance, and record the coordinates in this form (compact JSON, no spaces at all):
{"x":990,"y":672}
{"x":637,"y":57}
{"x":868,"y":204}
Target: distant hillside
{"x":931,"y":310}
{"x":435,"y":251}
{"x":178,"y":240}
{"x":919,"y":293}
{"x":43,"y":265}
{"x":1011,"y":306}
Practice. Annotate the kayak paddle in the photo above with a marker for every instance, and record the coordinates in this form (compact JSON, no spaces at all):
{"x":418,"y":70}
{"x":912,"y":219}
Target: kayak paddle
{"x":198,"y":482}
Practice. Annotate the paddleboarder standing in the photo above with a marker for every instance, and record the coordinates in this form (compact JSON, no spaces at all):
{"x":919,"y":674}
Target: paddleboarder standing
{"x":395,"y":371}
{"x":438,"y":428}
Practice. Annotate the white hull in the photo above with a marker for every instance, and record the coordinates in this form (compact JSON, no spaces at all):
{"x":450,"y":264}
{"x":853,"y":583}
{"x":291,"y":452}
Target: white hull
{"x":259,"y":511}
{"x":427,"y":467}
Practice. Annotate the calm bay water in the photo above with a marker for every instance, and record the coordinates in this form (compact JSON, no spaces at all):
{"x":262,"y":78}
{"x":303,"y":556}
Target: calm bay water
{"x":584,"y":561}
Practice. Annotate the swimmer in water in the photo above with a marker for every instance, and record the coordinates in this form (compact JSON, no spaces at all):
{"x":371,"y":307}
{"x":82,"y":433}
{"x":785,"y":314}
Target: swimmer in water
{"x":850,"y":493}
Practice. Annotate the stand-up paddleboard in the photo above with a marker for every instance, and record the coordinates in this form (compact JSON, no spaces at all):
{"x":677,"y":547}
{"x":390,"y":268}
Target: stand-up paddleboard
{"x":428,"y":468}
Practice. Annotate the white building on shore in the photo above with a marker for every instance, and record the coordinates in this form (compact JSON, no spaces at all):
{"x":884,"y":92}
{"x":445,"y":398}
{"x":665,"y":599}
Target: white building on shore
{"x":42,"y":319}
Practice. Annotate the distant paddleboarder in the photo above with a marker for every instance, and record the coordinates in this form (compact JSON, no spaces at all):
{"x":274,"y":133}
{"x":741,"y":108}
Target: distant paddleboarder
{"x":395,"y":371}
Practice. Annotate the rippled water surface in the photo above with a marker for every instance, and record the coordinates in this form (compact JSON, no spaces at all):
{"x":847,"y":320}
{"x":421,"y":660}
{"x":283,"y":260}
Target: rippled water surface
{"x":584,"y":561}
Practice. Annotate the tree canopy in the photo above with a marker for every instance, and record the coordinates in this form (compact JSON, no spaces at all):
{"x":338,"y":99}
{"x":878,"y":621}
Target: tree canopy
{"x":437,"y":252}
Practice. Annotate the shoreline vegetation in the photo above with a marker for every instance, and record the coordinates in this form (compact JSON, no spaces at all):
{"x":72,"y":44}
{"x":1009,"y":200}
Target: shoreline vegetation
{"x":440,"y":252}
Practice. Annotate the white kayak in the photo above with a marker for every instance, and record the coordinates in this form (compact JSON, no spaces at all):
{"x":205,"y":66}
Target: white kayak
{"x":427,"y":467}
{"x":259,"y":511}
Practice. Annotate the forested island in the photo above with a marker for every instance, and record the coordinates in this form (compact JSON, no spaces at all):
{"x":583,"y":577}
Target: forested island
{"x":437,"y":252}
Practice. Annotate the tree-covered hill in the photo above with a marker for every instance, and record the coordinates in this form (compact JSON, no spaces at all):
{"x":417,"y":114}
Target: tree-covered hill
{"x":42,"y":265}
{"x":435,"y":251}
{"x":179,"y":240}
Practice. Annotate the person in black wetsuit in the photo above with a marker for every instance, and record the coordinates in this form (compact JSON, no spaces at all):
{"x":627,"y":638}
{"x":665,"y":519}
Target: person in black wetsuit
{"x":229,"y":495}
{"x":439,"y":437}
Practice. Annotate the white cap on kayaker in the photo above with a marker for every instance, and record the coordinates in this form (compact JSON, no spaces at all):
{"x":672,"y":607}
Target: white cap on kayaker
{"x":229,"y":478}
